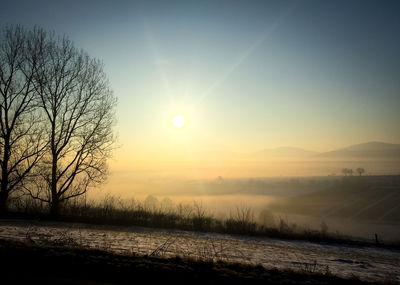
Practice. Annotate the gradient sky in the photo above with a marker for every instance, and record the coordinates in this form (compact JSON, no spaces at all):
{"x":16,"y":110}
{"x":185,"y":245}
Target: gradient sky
{"x":247,"y":75}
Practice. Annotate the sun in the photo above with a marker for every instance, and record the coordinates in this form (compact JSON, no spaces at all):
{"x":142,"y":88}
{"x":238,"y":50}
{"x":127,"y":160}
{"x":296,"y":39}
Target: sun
{"x":178,"y":121}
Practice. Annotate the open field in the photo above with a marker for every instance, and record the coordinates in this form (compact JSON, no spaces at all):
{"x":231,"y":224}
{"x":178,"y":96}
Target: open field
{"x":62,"y":265}
{"x":367,"y":263}
{"x":356,"y":206}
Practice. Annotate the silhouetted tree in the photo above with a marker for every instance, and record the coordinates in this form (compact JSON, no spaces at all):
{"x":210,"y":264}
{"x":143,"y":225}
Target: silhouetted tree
{"x":20,"y":136}
{"x":78,"y":107}
{"x":360,"y":171}
{"x":350,"y":172}
{"x":345,"y":171}
{"x":151,"y":203}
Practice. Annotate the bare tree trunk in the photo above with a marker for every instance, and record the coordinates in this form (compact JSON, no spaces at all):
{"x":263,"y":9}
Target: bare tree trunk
{"x":55,"y":207}
{"x":55,"y":201}
{"x":4,"y":176}
{"x":3,"y":202}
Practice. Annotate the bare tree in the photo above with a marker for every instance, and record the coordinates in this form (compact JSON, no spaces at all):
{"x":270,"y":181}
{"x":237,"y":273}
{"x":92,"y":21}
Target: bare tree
{"x":360,"y":171}
{"x":78,"y":106}
{"x":20,"y":138}
{"x":345,"y":171}
{"x":243,"y":214}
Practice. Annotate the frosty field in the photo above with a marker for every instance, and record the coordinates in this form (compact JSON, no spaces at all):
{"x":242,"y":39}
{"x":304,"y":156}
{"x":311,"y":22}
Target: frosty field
{"x":367,"y":263}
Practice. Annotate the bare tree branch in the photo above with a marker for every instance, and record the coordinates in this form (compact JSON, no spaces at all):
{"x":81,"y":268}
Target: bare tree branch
{"x":78,"y":106}
{"x":20,"y":139}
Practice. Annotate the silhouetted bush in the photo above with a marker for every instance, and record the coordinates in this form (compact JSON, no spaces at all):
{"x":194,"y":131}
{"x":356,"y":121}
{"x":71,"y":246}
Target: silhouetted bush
{"x":193,"y":217}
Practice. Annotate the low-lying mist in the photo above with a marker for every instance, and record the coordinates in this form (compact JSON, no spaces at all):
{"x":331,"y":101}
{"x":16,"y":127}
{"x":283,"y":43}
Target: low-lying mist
{"x":360,"y":206}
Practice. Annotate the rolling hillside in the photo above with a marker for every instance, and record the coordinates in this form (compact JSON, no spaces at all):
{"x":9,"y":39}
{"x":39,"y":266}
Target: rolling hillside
{"x":365,"y":150}
{"x":375,"y":198}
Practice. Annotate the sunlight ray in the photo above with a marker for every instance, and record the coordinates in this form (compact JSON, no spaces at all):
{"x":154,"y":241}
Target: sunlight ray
{"x":249,"y":51}
{"x":158,"y":60}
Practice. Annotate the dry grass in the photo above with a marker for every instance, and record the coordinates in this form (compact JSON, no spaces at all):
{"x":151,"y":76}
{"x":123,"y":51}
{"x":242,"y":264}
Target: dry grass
{"x":71,"y":265}
{"x":192,"y":217}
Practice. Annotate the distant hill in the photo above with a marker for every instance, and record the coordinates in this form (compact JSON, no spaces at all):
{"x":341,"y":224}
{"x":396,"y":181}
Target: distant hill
{"x":284,"y":152}
{"x":366,"y":150}
{"x":368,"y":197}
{"x":371,"y":150}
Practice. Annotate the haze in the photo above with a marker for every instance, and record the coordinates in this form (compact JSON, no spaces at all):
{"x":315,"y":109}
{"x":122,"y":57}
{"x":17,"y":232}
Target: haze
{"x":247,"y":77}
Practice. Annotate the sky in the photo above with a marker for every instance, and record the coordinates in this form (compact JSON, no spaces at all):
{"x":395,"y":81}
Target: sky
{"x":246,"y":75}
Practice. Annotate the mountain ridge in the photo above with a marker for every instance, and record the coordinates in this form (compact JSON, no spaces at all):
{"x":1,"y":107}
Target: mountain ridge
{"x":369,"y":149}
{"x":372,"y":149}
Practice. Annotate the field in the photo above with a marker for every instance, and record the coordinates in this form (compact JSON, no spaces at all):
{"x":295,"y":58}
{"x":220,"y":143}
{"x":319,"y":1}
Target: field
{"x":288,"y":231}
{"x":364,"y":262}
{"x":50,"y":265}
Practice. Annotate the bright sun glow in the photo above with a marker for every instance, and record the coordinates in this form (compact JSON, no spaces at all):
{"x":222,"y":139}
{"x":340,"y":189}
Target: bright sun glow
{"x":178,"y":121}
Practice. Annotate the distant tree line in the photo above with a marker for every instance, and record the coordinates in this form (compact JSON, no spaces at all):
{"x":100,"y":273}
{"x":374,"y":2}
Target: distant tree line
{"x":56,"y":118}
{"x":349,"y":171}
